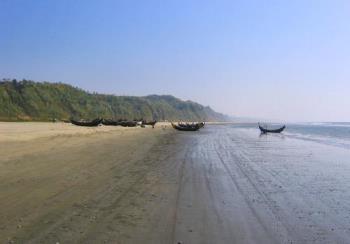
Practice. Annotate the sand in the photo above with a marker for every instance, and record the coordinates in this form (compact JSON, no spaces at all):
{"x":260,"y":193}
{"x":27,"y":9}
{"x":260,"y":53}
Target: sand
{"x":56,"y":178}
{"x":25,"y":131}
{"x":66,"y":184}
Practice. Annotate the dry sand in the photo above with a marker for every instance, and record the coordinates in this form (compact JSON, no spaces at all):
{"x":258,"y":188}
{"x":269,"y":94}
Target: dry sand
{"x":59,"y":181}
{"x":25,"y":131}
{"x":66,"y":184}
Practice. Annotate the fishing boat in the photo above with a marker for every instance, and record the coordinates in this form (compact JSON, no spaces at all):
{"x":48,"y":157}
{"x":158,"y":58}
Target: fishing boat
{"x":128,"y":123}
{"x":152,"y":123}
{"x":91,"y":123}
{"x":186,"y":127}
{"x":265,"y":130}
{"x":110,"y":122}
{"x":201,"y":124}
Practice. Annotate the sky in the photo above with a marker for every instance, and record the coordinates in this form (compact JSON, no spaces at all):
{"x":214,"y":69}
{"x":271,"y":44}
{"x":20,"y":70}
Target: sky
{"x":282,"y":59}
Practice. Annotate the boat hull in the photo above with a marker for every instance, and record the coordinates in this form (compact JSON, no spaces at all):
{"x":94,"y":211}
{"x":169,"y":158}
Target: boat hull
{"x":263,"y":130}
{"x":93,"y":123}
{"x":186,"y":128}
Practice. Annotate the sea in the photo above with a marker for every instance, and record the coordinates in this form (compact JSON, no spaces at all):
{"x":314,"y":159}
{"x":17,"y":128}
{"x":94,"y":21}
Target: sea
{"x":329,"y":133}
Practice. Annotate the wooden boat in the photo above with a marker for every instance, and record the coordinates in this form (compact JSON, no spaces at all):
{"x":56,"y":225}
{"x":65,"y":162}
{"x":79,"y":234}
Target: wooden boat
{"x":124,"y":123}
{"x":152,"y":123}
{"x":184,"y":127}
{"x":91,"y":123}
{"x":110,"y":122}
{"x":144,"y":122}
{"x":264,"y":130}
{"x":201,"y":124}
{"x":128,"y":123}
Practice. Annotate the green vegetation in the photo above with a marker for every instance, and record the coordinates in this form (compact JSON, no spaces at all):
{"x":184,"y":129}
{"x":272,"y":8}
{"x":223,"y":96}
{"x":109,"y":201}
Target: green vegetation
{"x":33,"y":101}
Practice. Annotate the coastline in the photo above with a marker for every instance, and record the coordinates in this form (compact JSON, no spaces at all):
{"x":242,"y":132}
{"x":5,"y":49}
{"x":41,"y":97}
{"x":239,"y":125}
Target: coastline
{"x":221,"y":184}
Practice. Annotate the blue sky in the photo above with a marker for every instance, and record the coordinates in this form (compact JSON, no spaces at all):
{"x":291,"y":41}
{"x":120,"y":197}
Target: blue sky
{"x":286,"y":60}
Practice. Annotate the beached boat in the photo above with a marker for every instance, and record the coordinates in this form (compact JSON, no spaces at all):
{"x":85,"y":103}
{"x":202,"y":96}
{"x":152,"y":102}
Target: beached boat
{"x":124,"y":123}
{"x":265,"y":130}
{"x":110,"y":122}
{"x":91,"y":123}
{"x":128,"y":123}
{"x":151,"y":123}
{"x":144,"y":122}
{"x":186,"y":127}
{"x":201,"y":124}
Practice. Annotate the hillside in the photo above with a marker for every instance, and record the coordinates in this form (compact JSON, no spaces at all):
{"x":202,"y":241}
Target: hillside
{"x":33,"y":101}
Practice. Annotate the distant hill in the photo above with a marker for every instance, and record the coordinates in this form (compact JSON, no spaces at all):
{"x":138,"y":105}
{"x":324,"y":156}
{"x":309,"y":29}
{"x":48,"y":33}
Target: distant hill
{"x":35,"y":101}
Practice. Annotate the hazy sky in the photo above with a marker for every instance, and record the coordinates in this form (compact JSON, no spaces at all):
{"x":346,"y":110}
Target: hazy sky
{"x":282,"y":59}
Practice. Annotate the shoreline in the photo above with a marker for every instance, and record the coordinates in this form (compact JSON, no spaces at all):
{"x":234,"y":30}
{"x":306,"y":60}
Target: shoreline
{"x":26,"y":131}
{"x":134,"y":185}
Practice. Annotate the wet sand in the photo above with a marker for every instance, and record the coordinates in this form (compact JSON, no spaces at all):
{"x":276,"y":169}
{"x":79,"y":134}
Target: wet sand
{"x":219,"y":185}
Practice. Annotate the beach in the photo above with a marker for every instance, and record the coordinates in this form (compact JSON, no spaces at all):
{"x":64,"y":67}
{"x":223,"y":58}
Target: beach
{"x":223,"y":184}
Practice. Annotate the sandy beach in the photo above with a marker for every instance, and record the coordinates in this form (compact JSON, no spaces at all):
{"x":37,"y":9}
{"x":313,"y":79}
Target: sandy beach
{"x":66,"y":184}
{"x":52,"y":173}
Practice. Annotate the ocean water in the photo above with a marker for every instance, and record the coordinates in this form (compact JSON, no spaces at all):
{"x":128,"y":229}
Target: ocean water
{"x":330,"y":133}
